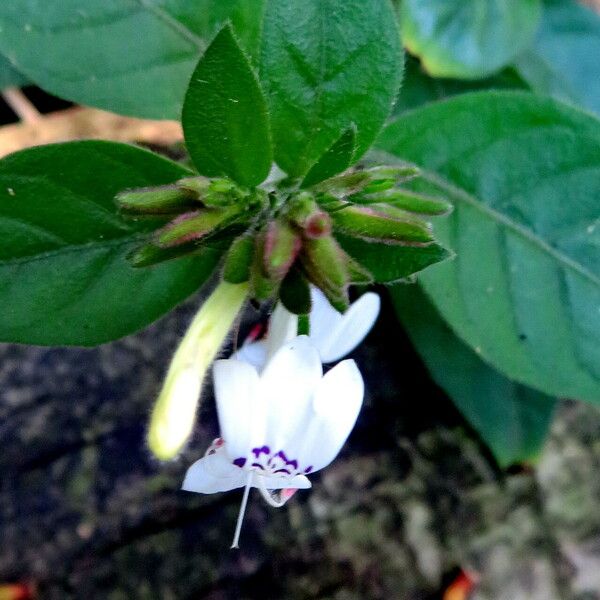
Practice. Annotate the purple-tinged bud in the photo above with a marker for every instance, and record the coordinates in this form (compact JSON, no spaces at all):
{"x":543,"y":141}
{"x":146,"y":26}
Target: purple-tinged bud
{"x":307,"y":215}
{"x":192,"y":226}
{"x":282,"y":244}
{"x":318,"y":225}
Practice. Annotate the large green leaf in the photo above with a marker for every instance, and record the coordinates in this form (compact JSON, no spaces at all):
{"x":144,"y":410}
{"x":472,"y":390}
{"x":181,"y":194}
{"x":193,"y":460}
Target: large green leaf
{"x":467,"y":38}
{"x":63,"y":247}
{"x":564,"y":58}
{"x":133,"y":57}
{"x":225,"y":116}
{"x":326,"y":65}
{"x":524,"y":174}
{"x":512,"y":419}
{"x":9,"y":76}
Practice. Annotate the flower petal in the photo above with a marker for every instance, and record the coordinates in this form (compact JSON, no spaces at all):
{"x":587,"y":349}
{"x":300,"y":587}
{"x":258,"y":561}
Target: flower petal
{"x":288,"y":384}
{"x":347,"y":332}
{"x":336,"y":406}
{"x":213,"y":473}
{"x":324,"y":319}
{"x":279,"y":483}
{"x":253,"y":353}
{"x":240,"y":408}
{"x":283,"y":328}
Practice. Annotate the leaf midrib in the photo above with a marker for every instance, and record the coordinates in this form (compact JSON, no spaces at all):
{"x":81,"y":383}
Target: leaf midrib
{"x":177,"y":26}
{"x":73,"y":248}
{"x":463,"y":195}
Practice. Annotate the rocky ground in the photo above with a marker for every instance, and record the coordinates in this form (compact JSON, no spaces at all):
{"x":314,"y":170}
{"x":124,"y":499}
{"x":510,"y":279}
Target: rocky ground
{"x":85,"y":512}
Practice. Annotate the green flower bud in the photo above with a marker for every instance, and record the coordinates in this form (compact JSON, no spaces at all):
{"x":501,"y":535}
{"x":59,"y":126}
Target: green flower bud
{"x":263,"y":286}
{"x":408,"y":200}
{"x":213,"y":193}
{"x":377,"y":226}
{"x":238,"y":261}
{"x":165,"y":200}
{"x":326,"y":265}
{"x":149,"y":254}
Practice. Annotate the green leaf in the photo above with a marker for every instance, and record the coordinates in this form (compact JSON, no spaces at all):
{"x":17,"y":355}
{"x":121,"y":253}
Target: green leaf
{"x":134,"y":57}
{"x":524,"y":176}
{"x":294,"y":293}
{"x":63,"y":246}
{"x":512,"y":419}
{"x":9,"y":76}
{"x":225,"y":116}
{"x":467,"y":38}
{"x":337,"y":159}
{"x":325,"y":65}
{"x":564,"y":58}
{"x":389,"y":263}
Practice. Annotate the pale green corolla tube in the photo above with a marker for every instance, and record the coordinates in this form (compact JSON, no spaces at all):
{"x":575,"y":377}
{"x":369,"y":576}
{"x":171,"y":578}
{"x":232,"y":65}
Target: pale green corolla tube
{"x":174,"y":413}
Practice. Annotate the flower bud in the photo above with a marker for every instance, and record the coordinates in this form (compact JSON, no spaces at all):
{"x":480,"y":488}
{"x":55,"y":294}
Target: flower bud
{"x":407,"y":200}
{"x":174,"y":413}
{"x":165,"y":200}
{"x":238,"y":261}
{"x":307,"y":215}
{"x":377,"y":226}
{"x":263,"y":285}
{"x":282,"y":244}
{"x":149,"y":255}
{"x":397,"y":172}
{"x":215,"y":193}
{"x":325,"y":264}
{"x":193,"y":226}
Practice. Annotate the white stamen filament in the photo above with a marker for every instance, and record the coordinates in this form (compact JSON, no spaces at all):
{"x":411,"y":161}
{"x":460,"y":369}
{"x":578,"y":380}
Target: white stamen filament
{"x":268,"y":497}
{"x":238,"y":527}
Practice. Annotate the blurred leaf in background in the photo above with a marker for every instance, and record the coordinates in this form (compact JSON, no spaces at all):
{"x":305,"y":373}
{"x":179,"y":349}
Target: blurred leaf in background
{"x":564,"y":59}
{"x":467,"y":39}
{"x":9,"y":76}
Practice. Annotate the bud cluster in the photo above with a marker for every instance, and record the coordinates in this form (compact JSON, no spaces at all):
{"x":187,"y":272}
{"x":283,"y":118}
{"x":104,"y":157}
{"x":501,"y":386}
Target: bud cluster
{"x":281,"y":239}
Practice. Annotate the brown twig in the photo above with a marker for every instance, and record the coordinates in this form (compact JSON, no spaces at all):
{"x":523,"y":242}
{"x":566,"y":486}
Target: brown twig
{"x":21,"y":105}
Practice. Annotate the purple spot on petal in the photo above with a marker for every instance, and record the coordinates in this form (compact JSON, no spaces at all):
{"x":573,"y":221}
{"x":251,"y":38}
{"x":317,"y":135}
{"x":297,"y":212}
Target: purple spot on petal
{"x":258,"y":451}
{"x":239,"y":462}
{"x":308,"y":469}
{"x":259,"y":466}
{"x":282,"y":471}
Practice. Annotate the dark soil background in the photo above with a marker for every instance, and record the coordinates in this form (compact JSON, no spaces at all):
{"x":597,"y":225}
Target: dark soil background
{"x":86,"y":513}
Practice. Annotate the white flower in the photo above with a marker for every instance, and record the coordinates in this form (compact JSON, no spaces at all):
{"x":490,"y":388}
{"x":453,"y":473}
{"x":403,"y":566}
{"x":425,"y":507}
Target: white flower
{"x":333,"y":334}
{"x":279,"y":426}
